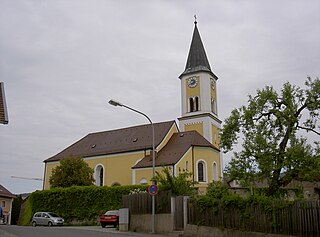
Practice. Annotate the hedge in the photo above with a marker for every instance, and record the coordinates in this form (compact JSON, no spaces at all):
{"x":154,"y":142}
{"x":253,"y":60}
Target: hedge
{"x":77,"y":204}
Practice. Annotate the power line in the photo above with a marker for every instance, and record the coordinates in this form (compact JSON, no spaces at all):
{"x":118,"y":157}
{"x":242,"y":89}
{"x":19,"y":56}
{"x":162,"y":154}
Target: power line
{"x":29,"y":178}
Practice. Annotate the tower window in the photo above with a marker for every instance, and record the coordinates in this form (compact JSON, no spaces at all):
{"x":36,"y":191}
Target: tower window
{"x":194,"y":104}
{"x":213,"y":106}
{"x":191,"y":105}
{"x":197,"y":103}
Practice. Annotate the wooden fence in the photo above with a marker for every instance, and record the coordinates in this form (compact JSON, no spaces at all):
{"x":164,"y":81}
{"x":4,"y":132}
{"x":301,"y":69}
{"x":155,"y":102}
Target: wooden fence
{"x":141,"y":203}
{"x":298,"y":219}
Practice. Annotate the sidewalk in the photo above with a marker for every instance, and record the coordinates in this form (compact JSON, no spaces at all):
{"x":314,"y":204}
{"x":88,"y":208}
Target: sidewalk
{"x":114,"y":230}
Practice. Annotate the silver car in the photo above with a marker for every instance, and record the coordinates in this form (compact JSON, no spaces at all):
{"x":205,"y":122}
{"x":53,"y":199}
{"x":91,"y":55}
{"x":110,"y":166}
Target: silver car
{"x":46,"y":218}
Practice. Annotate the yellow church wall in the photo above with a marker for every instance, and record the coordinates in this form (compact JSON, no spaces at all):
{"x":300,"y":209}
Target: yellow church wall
{"x":185,"y":164}
{"x":209,"y":156}
{"x":194,"y":126}
{"x":145,"y":173}
{"x":48,"y":171}
{"x":117,"y":168}
{"x":190,"y":159}
{"x":215,"y":136}
{"x":173,"y":130}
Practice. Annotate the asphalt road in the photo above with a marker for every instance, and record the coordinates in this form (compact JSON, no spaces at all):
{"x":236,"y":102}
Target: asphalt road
{"x":66,"y":231}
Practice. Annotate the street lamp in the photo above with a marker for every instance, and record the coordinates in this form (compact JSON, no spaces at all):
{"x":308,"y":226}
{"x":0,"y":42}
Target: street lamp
{"x":116,"y":103}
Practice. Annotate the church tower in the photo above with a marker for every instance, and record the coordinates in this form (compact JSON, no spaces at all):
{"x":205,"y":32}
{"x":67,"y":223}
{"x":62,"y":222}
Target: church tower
{"x":199,"y":93}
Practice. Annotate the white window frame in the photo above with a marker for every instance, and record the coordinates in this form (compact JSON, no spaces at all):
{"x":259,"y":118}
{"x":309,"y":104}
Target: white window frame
{"x":205,"y":171}
{"x":97,"y":174}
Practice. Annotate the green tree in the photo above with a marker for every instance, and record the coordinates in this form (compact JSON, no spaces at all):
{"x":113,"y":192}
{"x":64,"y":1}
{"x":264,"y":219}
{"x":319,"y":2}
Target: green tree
{"x":72,"y":171}
{"x":179,"y":185}
{"x":272,"y":149}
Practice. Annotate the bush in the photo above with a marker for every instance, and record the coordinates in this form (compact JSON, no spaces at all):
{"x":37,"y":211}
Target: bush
{"x":77,"y":203}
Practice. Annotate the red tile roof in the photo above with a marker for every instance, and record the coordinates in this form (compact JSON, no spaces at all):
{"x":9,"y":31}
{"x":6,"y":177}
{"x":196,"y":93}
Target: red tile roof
{"x":3,"y":107}
{"x":176,"y":147}
{"x":116,"y":141}
{"x":5,"y":193}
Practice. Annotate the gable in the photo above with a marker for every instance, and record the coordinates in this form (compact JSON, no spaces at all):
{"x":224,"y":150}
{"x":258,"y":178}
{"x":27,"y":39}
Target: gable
{"x":175,"y":149}
{"x":5,"y":193}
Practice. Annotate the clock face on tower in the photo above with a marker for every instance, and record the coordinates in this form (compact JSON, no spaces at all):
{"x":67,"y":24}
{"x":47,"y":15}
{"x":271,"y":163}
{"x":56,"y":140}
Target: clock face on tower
{"x":192,"y":82}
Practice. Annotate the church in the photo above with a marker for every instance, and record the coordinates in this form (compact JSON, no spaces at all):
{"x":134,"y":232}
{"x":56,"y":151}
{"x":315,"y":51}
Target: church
{"x":124,"y":156}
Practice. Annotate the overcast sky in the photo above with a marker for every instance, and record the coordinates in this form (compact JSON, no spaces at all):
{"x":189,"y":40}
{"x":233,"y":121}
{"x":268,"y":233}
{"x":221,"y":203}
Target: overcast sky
{"x":62,"y":60}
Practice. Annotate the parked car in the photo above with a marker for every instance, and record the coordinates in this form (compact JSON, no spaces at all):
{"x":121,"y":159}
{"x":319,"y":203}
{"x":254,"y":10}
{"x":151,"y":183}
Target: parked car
{"x":46,"y":218}
{"x":109,"y":218}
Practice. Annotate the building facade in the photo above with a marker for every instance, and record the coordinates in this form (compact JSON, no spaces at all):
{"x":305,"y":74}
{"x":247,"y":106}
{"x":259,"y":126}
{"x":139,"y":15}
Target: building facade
{"x":6,"y":200}
{"x":124,"y":156}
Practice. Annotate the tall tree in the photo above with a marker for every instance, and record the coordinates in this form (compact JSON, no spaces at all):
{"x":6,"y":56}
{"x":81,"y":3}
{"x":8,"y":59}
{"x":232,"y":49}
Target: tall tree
{"x":72,"y":171}
{"x":272,"y":149}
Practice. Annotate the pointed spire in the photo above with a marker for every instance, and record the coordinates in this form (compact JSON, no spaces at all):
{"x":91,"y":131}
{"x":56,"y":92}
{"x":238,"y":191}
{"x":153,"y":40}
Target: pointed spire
{"x":197,"y":58}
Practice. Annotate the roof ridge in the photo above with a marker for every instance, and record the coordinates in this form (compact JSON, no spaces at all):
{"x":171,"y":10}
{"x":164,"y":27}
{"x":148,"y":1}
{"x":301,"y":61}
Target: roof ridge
{"x":5,"y":192}
{"x":135,"y":126}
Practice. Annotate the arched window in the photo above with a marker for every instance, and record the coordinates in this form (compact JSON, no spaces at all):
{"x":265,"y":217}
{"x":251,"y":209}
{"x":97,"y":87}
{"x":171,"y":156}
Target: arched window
{"x":191,"y":105}
{"x":196,"y":103}
{"x":215,"y":171}
{"x":115,"y":184}
{"x":99,"y":175}
{"x":143,"y":181}
{"x":213,"y":106}
{"x":201,"y":171}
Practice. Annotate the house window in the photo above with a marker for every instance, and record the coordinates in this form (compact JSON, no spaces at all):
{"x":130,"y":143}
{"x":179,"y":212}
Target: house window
{"x":99,"y":175}
{"x":3,"y":203}
{"x":201,"y":171}
{"x":215,"y":171}
{"x":187,"y":165}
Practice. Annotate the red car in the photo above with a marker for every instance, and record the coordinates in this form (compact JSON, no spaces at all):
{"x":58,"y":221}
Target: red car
{"x":109,"y":218}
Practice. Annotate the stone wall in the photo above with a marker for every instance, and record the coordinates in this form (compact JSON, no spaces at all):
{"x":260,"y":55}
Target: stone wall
{"x":143,"y":223}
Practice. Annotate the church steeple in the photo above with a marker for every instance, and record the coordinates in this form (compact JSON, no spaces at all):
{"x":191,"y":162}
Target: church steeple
{"x":199,"y":110}
{"x":197,"y":59}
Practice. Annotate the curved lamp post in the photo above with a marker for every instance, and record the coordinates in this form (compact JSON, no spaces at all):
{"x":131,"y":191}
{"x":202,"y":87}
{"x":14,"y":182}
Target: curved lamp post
{"x":116,"y":103}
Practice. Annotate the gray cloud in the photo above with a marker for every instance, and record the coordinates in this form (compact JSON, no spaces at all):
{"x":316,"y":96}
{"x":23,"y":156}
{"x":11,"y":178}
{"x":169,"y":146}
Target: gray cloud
{"x":61,"y":62}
